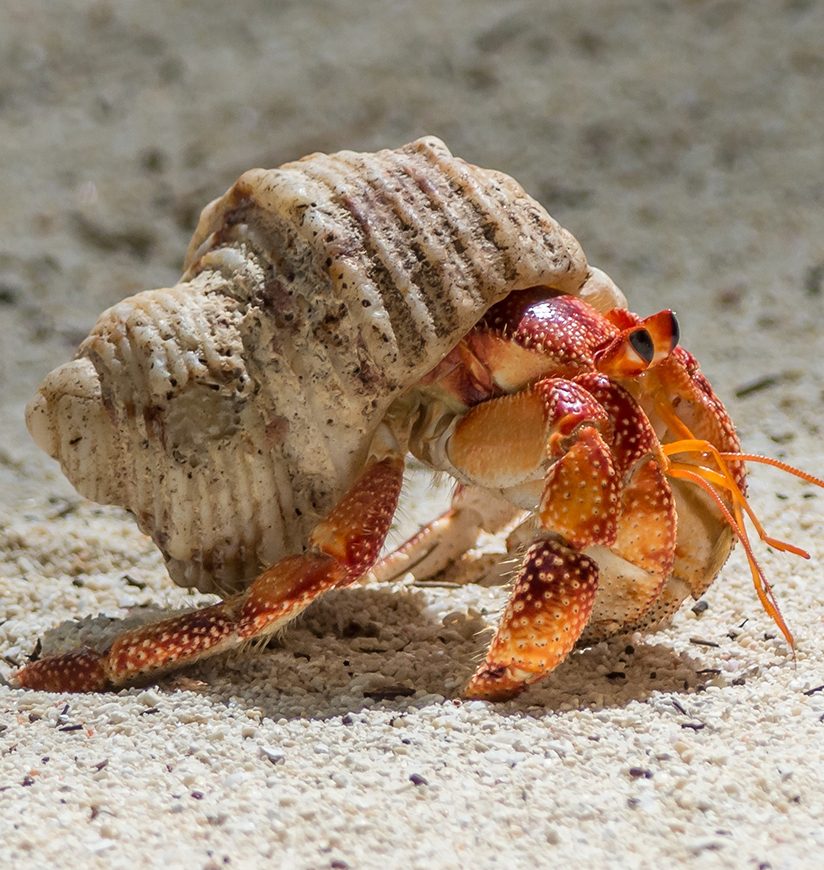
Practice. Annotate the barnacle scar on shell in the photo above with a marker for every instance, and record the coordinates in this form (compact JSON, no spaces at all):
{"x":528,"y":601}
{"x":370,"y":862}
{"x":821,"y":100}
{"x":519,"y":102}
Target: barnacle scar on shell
{"x":343,"y":310}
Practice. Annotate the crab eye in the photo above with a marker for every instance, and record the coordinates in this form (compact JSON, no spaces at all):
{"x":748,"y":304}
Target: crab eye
{"x":643,"y":344}
{"x":676,"y":331}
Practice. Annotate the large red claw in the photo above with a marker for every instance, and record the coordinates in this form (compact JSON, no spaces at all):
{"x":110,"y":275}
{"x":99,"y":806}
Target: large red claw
{"x":549,"y":606}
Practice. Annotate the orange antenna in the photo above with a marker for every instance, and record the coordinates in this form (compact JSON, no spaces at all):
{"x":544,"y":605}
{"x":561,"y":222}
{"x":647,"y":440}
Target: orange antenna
{"x":722,"y":478}
{"x":762,"y":586}
{"x":727,"y":481}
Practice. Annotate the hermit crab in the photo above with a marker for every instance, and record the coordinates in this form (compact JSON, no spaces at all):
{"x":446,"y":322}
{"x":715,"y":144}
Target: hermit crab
{"x":345,"y":310}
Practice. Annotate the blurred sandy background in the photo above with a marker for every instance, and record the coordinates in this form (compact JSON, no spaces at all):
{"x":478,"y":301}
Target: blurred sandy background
{"x":681,"y":142}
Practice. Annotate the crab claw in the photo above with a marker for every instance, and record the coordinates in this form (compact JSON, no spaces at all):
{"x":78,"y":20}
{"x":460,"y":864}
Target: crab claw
{"x":550,"y":604}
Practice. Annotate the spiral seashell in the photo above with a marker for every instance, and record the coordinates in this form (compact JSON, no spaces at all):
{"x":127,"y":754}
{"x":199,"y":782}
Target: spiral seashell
{"x":230,"y":412}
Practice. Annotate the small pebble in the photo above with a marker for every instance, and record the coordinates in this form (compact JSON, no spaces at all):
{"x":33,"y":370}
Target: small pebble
{"x":276,"y":756}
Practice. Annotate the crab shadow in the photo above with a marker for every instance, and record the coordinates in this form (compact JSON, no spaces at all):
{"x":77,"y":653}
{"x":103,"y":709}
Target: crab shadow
{"x":385,"y":649}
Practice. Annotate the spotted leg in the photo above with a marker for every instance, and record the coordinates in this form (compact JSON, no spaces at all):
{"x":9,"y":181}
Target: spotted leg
{"x":634,"y":568}
{"x":341,"y":548}
{"x":441,"y":542}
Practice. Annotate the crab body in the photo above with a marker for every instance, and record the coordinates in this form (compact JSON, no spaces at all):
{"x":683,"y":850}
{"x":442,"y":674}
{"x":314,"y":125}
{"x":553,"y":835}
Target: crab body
{"x":561,"y":411}
{"x":345,"y":310}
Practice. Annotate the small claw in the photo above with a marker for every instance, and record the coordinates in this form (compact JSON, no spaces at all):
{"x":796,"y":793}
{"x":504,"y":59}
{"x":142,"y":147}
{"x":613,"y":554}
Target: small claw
{"x":581,"y":493}
{"x":647,"y":527}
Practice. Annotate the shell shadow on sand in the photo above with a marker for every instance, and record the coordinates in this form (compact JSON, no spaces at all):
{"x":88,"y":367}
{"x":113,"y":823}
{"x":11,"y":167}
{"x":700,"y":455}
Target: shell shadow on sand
{"x":366,"y":648}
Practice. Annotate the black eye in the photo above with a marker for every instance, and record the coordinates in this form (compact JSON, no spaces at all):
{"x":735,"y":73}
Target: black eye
{"x":642,"y":344}
{"x":676,"y":331}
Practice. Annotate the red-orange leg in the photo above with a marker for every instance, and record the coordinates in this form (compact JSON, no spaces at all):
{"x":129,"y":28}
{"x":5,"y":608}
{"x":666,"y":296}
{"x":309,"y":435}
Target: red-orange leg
{"x":343,"y":547}
{"x":438,"y":544}
{"x":642,"y":554}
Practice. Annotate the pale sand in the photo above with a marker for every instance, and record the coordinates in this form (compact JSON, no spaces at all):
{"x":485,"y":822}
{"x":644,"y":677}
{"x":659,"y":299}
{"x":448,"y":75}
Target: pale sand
{"x":682,"y":143}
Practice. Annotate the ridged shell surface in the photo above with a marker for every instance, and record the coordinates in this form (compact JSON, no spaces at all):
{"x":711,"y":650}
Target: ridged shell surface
{"x":228,"y":413}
